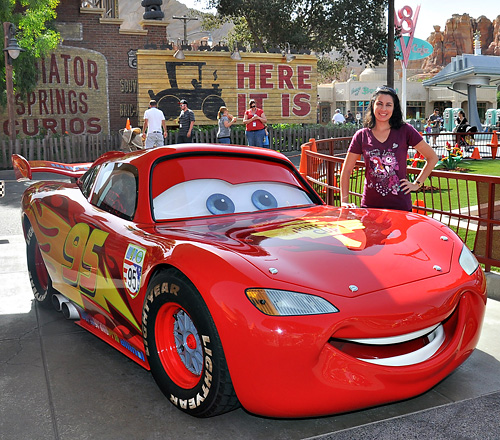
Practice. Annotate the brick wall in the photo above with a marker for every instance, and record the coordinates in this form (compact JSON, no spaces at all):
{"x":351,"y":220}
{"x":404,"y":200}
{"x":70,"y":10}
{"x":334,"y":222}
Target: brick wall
{"x":104,"y":36}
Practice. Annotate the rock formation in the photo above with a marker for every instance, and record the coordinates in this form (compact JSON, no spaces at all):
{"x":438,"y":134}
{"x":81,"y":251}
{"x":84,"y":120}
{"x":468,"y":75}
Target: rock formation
{"x":458,"y":38}
{"x":131,"y":12}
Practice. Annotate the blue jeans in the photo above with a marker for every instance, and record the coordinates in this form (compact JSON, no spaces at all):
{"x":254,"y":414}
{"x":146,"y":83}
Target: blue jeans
{"x":255,"y":138}
{"x":224,"y":140}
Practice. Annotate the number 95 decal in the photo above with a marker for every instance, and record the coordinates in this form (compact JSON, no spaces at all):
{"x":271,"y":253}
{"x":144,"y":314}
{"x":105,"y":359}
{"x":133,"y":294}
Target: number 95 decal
{"x":132,"y":268}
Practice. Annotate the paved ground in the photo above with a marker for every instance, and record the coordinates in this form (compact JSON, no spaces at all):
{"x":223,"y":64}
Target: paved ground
{"x":58,"y":382}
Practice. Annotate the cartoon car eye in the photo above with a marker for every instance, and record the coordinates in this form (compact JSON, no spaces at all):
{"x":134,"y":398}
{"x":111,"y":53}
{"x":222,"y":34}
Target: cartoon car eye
{"x":263,"y":199}
{"x":200,"y":197}
{"x":220,"y":204}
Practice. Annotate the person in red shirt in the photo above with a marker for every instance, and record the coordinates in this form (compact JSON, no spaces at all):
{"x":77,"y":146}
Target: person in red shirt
{"x":254,"y":121}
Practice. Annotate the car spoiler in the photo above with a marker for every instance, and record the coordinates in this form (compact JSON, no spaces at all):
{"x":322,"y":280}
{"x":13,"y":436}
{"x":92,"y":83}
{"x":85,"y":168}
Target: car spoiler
{"x":24,"y":169}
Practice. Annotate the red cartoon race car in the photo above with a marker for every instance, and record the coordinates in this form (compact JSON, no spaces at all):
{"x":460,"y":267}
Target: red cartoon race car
{"x":222,"y":271}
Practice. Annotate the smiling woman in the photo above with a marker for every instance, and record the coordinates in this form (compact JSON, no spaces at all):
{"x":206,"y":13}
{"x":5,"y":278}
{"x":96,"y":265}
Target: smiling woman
{"x":384,"y":144}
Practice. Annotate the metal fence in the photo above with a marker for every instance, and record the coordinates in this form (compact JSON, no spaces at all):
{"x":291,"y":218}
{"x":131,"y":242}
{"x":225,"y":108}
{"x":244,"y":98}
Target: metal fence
{"x":87,"y":148}
{"x":467,"y":203}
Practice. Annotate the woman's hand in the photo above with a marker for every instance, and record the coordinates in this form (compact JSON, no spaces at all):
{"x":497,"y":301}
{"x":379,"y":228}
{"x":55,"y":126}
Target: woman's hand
{"x":407,"y":187}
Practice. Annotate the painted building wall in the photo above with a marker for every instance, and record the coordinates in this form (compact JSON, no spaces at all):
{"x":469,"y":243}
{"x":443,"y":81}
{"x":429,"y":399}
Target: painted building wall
{"x":343,"y":94}
{"x":72,"y":95}
{"x":102,"y":74}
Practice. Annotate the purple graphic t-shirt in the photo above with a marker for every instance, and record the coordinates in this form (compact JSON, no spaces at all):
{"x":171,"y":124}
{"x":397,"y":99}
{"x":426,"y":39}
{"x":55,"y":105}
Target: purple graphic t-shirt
{"x":385,"y":166}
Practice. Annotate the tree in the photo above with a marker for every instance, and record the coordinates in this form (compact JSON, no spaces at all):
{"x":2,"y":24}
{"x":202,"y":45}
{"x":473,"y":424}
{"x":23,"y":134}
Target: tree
{"x":36,"y":34}
{"x":347,"y":26}
{"x":329,"y":70}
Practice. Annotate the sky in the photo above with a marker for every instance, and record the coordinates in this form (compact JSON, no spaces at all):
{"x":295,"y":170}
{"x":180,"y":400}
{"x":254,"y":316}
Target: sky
{"x":432,"y":12}
{"x":437,"y":12}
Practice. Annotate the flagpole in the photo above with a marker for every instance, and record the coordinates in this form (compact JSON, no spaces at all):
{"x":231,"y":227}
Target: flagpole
{"x":406,"y":22}
{"x":403,"y":91}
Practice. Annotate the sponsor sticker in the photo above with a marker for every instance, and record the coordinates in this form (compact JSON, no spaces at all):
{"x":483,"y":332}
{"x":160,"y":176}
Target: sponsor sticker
{"x":132,"y":268}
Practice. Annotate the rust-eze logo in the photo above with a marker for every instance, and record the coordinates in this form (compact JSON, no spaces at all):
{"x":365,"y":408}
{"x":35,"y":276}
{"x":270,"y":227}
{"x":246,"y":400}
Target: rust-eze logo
{"x":71,"y":96}
{"x":348,"y":232}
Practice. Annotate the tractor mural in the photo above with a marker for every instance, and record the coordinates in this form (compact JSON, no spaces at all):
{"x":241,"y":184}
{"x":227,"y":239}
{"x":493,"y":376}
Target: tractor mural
{"x":208,"y":100}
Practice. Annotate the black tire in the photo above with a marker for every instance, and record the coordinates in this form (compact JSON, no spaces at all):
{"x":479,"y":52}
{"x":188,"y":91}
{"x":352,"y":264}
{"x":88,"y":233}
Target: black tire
{"x":153,"y":15}
{"x":169,"y":105}
{"x":145,"y":3}
{"x":183,"y":347}
{"x":211,"y":105}
{"x":41,"y":283}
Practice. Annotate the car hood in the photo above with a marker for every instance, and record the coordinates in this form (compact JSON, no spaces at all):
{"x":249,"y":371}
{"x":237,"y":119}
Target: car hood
{"x":346,"y":252}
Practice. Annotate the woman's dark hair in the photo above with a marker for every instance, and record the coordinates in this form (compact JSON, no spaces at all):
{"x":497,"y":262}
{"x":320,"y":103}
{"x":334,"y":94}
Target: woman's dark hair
{"x":396,"y":120}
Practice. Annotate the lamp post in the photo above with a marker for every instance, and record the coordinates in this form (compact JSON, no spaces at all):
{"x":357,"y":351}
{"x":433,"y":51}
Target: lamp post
{"x":12,"y":51}
{"x":185,"y":19}
{"x":390,"y":44}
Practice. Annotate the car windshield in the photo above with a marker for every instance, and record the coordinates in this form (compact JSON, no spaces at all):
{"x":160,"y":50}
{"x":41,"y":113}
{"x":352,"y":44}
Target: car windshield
{"x":204,"y":186}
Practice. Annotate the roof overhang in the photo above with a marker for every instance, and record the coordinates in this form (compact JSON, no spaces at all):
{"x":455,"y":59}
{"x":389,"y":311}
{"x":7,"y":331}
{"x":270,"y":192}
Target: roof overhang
{"x":465,"y":70}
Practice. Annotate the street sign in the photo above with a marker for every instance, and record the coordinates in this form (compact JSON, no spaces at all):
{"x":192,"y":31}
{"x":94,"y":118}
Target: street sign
{"x":419,"y":49}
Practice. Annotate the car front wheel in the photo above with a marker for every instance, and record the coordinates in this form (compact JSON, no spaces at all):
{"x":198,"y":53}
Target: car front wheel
{"x":183,"y":347}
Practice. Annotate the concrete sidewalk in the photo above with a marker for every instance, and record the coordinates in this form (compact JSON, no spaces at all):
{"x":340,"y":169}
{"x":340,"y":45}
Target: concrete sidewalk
{"x":59,"y":382}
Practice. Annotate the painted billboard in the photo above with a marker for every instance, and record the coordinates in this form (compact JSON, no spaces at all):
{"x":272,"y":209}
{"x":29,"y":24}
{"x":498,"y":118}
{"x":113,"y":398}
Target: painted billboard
{"x":71,"y":96}
{"x":286,"y":91}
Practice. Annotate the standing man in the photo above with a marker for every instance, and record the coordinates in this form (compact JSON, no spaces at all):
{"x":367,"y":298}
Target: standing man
{"x":186,"y":123}
{"x":154,"y":120}
{"x":434,"y":122}
{"x":350,"y":117}
{"x":338,"y":118}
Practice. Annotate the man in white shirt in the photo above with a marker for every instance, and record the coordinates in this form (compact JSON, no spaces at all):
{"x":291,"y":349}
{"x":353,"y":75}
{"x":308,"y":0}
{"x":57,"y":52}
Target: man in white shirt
{"x":154,"y":120}
{"x":338,"y":118}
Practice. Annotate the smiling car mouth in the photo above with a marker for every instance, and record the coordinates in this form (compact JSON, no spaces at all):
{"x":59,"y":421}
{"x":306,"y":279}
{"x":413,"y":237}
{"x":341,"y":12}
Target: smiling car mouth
{"x":394,"y":351}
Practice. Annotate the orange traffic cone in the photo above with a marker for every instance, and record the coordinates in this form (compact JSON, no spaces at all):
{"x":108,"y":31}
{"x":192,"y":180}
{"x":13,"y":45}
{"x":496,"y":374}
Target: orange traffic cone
{"x":313,"y":145}
{"x":419,"y":203}
{"x":128,"y":127}
{"x":303,"y":160}
{"x":475,"y":154}
{"x":494,"y":144}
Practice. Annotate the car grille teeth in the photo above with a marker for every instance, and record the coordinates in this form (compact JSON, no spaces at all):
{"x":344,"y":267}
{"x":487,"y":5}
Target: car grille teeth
{"x":396,"y":351}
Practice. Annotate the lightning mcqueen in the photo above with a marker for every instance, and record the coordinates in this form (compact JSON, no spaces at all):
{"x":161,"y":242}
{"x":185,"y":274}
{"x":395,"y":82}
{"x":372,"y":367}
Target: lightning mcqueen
{"x":222,"y":271}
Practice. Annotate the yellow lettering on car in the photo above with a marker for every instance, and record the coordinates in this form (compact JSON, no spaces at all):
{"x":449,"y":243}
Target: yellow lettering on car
{"x":316,"y":228}
{"x":72,"y":257}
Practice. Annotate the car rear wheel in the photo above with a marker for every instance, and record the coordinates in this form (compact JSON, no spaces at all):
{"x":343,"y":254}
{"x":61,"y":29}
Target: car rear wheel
{"x":183,"y":347}
{"x":39,"y":277}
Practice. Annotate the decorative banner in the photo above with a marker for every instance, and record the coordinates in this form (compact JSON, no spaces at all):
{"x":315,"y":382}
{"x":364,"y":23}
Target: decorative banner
{"x":420,"y":49}
{"x":404,"y":21}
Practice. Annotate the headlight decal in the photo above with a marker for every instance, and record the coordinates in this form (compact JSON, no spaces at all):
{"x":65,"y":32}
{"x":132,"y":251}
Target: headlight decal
{"x":468,"y":261}
{"x":285,"y":303}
